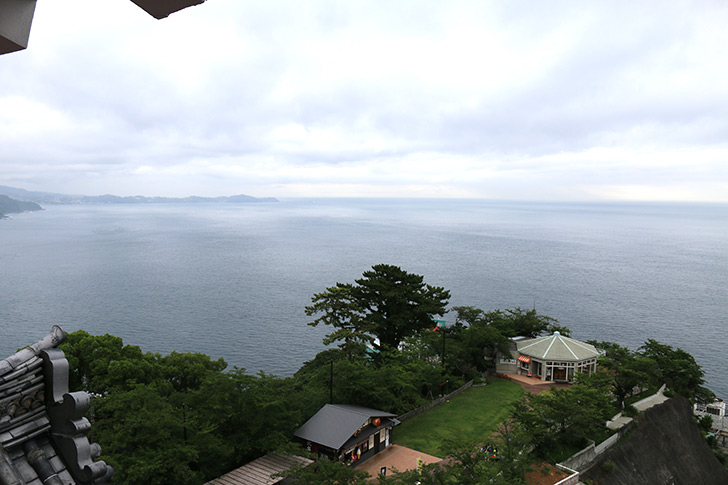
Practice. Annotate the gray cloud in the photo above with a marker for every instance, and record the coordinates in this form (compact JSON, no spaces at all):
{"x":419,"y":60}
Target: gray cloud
{"x":465,"y":98}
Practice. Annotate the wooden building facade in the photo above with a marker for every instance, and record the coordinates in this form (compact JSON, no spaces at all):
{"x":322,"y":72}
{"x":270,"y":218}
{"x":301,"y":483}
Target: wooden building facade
{"x":347,"y":433}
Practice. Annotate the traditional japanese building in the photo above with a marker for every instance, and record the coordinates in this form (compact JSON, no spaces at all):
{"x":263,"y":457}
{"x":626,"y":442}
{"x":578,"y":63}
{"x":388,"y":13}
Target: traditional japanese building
{"x":347,"y":433}
{"x":42,"y":429}
{"x":551,"y":358}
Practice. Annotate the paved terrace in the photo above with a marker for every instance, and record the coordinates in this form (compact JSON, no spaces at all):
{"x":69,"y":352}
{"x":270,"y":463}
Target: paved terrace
{"x":534,"y":385}
{"x":395,"y":456}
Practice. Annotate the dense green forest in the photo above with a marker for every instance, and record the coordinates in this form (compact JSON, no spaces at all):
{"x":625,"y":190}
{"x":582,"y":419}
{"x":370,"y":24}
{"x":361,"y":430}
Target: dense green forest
{"x":185,"y":418}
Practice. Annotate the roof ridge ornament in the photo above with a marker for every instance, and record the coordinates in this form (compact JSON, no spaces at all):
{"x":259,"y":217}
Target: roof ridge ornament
{"x":37,"y":412}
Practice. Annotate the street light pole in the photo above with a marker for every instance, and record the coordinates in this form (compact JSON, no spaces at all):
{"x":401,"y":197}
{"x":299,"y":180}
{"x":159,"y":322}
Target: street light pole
{"x":441,"y":327}
{"x":443,"y":346}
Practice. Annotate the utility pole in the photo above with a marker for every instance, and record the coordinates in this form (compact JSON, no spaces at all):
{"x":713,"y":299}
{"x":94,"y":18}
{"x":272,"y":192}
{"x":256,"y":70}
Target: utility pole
{"x":443,"y":346}
{"x":441,"y":327}
{"x":331,"y":383}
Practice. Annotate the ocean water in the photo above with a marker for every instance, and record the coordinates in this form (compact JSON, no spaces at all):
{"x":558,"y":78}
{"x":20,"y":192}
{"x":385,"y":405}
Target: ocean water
{"x":232,"y":280}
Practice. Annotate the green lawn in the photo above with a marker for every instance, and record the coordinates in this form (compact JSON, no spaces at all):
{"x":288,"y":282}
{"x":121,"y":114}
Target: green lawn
{"x":472,"y":415}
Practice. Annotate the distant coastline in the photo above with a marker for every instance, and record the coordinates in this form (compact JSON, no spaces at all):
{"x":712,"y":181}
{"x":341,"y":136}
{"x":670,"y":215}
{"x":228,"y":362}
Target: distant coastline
{"x":54,"y":198}
{"x":8,"y":205}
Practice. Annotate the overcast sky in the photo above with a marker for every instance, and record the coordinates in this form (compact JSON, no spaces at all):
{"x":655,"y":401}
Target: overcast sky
{"x":525,"y":100}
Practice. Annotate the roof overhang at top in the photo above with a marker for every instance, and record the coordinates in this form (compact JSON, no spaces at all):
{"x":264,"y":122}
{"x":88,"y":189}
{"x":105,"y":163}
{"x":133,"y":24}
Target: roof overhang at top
{"x":16,"y":17}
{"x":160,"y":9}
{"x":557,"y":347}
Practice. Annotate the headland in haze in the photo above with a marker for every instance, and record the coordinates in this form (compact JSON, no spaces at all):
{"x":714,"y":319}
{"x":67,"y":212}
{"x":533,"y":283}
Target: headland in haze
{"x":54,"y":198}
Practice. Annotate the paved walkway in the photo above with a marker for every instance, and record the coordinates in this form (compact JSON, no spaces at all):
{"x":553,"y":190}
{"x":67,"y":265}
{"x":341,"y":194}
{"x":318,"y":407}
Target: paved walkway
{"x":646,"y":403}
{"x":654,"y":400}
{"x":395,"y":456}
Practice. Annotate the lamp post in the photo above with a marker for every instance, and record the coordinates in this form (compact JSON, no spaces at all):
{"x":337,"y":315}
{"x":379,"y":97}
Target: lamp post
{"x":331,"y":383}
{"x":441,"y":325}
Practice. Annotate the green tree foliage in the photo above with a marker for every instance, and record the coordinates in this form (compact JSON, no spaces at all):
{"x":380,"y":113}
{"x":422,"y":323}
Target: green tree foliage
{"x":513,"y":443}
{"x":387,"y":303}
{"x":678,"y":370}
{"x":184,"y":418}
{"x":141,"y":435}
{"x":188,"y":371}
{"x":396,"y":382}
{"x":564,"y":419}
{"x":326,"y":472}
{"x":525,"y":323}
{"x":629,"y":370}
{"x":654,"y":364}
{"x":180,"y":418}
{"x":475,"y":340}
{"x":477,"y":337}
{"x":100,"y":364}
{"x":471,"y":463}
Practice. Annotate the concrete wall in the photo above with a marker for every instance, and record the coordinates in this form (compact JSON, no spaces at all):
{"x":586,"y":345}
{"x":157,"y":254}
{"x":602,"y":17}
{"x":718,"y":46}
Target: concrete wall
{"x":572,"y":479}
{"x":608,"y":443}
{"x":581,"y":459}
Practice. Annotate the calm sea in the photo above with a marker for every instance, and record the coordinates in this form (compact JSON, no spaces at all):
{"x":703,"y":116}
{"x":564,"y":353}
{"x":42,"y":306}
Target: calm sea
{"x":232,"y":280}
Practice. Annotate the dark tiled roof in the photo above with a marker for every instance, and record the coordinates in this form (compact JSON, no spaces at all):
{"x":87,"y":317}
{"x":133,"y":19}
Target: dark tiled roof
{"x":259,"y":471}
{"x":334,"y":424}
{"x":42,"y":428}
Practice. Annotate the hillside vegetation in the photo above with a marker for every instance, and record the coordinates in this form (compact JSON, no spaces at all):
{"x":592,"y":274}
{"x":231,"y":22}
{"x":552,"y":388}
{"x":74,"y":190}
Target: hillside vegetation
{"x":11,"y":206}
{"x":186,"y":419}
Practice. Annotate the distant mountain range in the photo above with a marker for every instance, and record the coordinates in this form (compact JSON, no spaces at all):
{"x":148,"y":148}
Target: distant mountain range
{"x":52,"y":198}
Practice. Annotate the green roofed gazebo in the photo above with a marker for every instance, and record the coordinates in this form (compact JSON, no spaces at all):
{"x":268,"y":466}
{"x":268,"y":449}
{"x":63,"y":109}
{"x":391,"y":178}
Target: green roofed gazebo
{"x":555,"y":357}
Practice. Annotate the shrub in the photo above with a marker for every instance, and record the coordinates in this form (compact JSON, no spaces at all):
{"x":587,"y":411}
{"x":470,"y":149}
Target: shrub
{"x":630,"y":411}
